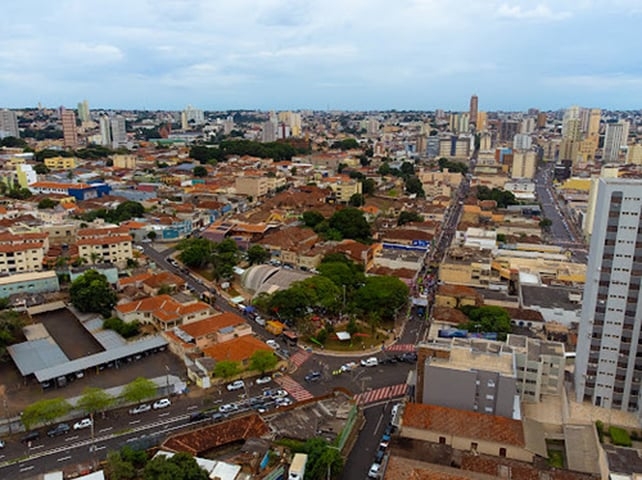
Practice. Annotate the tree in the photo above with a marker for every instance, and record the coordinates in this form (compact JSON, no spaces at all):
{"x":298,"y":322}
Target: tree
{"x":91,"y":292}
{"x":368,"y":186}
{"x":44,"y":411}
{"x":119,"y":469}
{"x":321,"y":455}
{"x":139,"y":389}
{"x":380,"y":297}
{"x":199,"y":171}
{"x":351,"y":223}
{"x":227,"y":369}
{"x":407,"y":169}
{"x":256,"y":254}
{"x":312,"y":218}
{"x":94,"y":400}
{"x":263,"y":361}
{"x":488,"y":318}
{"x":47,"y":203}
{"x":356,"y":200}
{"x":41,"y":169}
{"x":11,"y":323}
{"x":181,"y":466}
{"x":545,"y":224}
{"x":152,"y":235}
{"x":414,"y":186}
{"x":408,"y":217}
{"x":195,"y":252}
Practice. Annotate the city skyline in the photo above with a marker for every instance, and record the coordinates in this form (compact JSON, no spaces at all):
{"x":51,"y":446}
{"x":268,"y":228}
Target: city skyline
{"x":416,"y":55}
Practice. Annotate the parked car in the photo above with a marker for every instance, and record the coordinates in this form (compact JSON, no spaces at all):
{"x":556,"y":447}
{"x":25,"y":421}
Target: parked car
{"x":260,"y":321}
{"x":60,"y":429}
{"x":227,"y":408}
{"x":218,"y":416}
{"x":143,"y":407}
{"x":370,"y":362}
{"x":379,"y":456}
{"x":272,"y":344}
{"x":263,"y":380}
{"x":374,"y":470}
{"x":197,"y":417}
{"x":84,"y":423}
{"x":279,"y":393}
{"x":313,"y":377}
{"x":395,"y":409}
{"x":162,"y":403}
{"x":30,"y":436}
{"x":236,"y":385}
{"x":348,"y":367}
{"x":1,"y":443}
{"x":283,"y":402}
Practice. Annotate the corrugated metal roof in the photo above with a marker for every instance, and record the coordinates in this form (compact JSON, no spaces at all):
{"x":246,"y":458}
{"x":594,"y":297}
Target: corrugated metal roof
{"x":101,"y":358}
{"x":36,"y":355}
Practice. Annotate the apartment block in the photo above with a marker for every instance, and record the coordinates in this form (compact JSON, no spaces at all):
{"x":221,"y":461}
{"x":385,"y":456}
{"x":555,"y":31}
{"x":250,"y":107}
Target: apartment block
{"x":21,"y":253}
{"x":252,"y":186}
{"x":110,"y":245}
{"x":60,"y":163}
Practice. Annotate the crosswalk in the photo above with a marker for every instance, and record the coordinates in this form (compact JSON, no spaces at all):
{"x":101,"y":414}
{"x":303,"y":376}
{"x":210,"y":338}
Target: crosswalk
{"x":383,"y":393}
{"x":300,"y":357}
{"x":401,"y":347}
{"x":294,"y":388}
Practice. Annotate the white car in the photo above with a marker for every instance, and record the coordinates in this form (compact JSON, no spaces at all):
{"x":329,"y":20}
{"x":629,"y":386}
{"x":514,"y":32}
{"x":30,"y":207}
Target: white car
{"x":237,"y":385}
{"x":263,"y":380}
{"x":348,"y":367}
{"x":374,"y":470}
{"x":143,"y":407}
{"x":272,"y":344}
{"x":370,"y":362}
{"x":84,"y":423}
{"x":162,"y":403}
{"x":279,"y":393}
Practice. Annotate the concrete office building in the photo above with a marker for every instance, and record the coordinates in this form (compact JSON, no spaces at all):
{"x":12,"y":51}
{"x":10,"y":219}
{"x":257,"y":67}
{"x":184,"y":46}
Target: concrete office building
{"x":105,"y":131}
{"x":473,"y":111}
{"x":118,"y":131}
{"x":608,"y":368}
{"x":614,"y":139}
{"x":69,"y":131}
{"x":83,"y":111}
{"x":9,"y":124}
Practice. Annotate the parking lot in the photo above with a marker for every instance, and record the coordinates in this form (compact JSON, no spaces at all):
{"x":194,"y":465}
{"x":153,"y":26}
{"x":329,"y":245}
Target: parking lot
{"x":69,"y":334}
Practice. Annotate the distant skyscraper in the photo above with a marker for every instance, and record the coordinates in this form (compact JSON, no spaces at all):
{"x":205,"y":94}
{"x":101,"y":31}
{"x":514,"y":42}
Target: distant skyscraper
{"x":608,"y":372}
{"x":191,"y":117}
{"x":105,"y":131}
{"x":614,"y":139}
{"x":522,"y":142}
{"x":482,"y":118}
{"x":9,"y":124}
{"x":118,"y":131}
{"x":269,"y":132}
{"x":69,"y":131}
{"x":594,"y":122}
{"x":507,"y":130}
{"x":83,"y":111}
{"x":541,"y":120}
{"x":474,"y":103}
{"x":571,"y":124}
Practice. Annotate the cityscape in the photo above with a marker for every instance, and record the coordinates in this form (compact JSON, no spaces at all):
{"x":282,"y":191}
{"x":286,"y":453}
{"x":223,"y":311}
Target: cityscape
{"x":338,"y":240}
{"x":320,"y":294}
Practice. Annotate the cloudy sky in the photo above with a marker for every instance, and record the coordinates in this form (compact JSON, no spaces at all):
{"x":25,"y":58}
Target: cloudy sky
{"x":336,"y":54}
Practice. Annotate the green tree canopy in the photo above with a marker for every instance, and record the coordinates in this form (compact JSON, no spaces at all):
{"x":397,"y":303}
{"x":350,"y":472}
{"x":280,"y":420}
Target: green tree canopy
{"x":321,"y":456}
{"x":227,"y":369}
{"x":199,"y":171}
{"x":503,"y":198}
{"x":44,"y":411}
{"x":357,"y":200}
{"x":139,"y":389}
{"x":488,"y":318}
{"x":345,"y":144}
{"x":312,"y":218}
{"x":459,"y":167}
{"x":351,"y":223}
{"x":94,"y":400}
{"x":256,"y":254}
{"x":46,"y":203}
{"x":414,"y":186}
{"x":181,"y":466}
{"x":263,"y":361}
{"x":11,"y":323}
{"x":343,"y":274}
{"x":368,"y":186}
{"x":118,"y":468}
{"x":381,"y":297}
{"x":91,"y":292}
{"x":408,"y":217}
{"x":195,"y":252}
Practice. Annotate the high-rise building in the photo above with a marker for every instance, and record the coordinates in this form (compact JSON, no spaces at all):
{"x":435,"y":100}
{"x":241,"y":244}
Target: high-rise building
{"x":593,"y":129}
{"x":522,"y":142}
{"x":608,"y":372}
{"x":614,"y":139}
{"x":83,"y":111}
{"x":69,"y":131}
{"x":191,"y":117}
{"x":507,"y":130}
{"x":9,"y":124}
{"x":482,"y":119}
{"x":105,"y":131}
{"x":268,"y":133}
{"x":524,"y":164}
{"x":118,"y":131}
{"x":541,"y":119}
{"x":474,"y":104}
{"x":572,"y":124}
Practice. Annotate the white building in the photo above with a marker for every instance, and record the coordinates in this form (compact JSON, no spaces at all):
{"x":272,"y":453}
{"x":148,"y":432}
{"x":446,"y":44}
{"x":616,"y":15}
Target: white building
{"x":608,"y":370}
{"x":118,"y":131}
{"x":105,"y":131}
{"x":9,"y":124}
{"x":614,"y":139}
{"x":191,"y":117}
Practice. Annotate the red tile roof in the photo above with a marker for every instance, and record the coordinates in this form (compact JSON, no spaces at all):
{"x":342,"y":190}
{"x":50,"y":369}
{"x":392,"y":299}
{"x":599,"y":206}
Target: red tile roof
{"x":237,"y":350}
{"x":212,"y":324}
{"x":464,"y":424}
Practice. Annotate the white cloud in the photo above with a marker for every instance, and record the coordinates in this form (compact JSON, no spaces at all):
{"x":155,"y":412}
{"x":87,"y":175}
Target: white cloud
{"x":539,"y":12}
{"x":597,"y":82}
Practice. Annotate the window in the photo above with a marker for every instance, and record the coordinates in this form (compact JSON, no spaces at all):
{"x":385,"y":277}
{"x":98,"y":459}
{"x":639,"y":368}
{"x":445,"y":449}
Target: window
{"x":442,"y":440}
{"x":473,"y":446}
{"x":502,"y":452}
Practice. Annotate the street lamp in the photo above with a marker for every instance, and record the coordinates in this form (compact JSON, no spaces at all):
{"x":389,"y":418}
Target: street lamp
{"x":167,"y":379}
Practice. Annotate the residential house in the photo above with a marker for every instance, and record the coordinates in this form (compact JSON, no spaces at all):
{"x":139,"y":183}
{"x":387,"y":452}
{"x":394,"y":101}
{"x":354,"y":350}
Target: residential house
{"x":150,"y":283}
{"x":238,"y":350}
{"x":163,"y":311}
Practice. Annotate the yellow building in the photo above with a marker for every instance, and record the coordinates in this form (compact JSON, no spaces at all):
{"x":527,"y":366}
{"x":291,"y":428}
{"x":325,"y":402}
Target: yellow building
{"x":634,"y":155}
{"x":467,"y":266}
{"x":125,"y":161}
{"x":22,"y":253}
{"x":60,"y":163}
{"x":112,"y":245}
{"x":252,"y":186}
{"x":524,"y":164}
{"x":344,"y":190}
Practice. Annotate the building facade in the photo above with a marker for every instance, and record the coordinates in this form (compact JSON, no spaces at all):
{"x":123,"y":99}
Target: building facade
{"x":69,"y":131}
{"x":608,"y":370}
{"x":9,"y":124}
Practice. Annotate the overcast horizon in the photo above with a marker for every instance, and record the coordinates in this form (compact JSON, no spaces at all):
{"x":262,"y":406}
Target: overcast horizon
{"x":353,"y":55}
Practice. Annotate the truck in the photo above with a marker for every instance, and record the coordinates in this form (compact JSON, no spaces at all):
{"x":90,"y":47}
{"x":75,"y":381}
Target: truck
{"x":291,"y":337}
{"x":297,"y":467}
{"x":275,"y":327}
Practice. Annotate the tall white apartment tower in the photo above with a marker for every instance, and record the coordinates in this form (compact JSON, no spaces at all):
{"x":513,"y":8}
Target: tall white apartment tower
{"x":614,"y":138}
{"x":608,"y":367}
{"x":118,"y":131}
{"x":105,"y":130}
